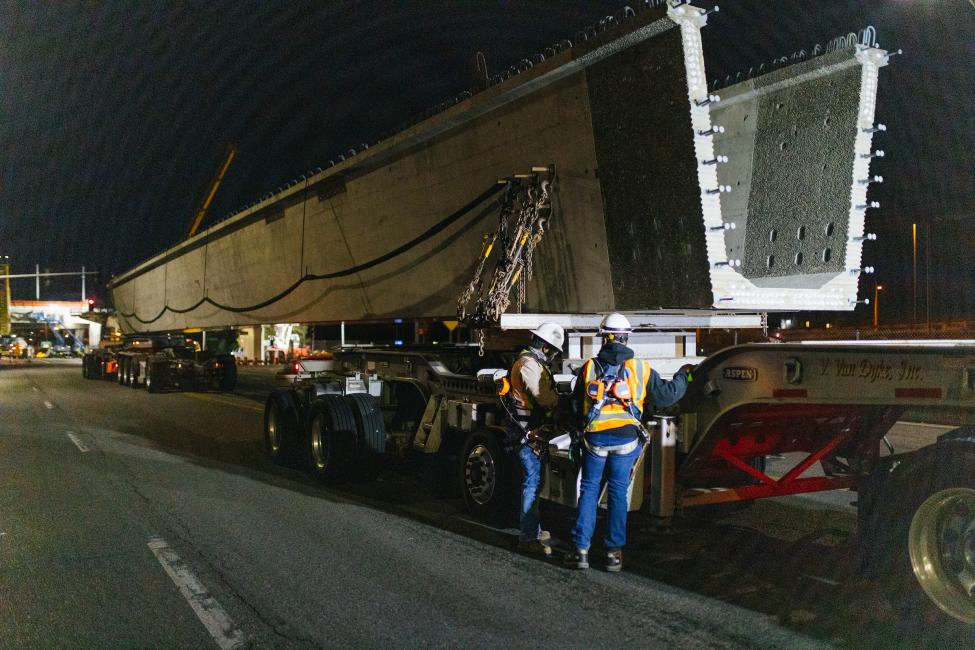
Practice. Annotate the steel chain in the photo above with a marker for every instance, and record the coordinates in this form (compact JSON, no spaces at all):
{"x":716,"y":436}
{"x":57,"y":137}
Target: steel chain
{"x":522,"y":222}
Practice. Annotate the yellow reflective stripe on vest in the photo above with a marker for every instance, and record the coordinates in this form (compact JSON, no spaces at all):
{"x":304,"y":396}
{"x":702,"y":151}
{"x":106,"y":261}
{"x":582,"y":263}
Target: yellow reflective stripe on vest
{"x":614,"y":414}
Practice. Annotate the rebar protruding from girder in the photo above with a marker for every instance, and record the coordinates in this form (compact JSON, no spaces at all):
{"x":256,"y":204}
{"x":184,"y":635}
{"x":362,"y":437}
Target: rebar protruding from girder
{"x":729,"y":263}
{"x":730,"y":225}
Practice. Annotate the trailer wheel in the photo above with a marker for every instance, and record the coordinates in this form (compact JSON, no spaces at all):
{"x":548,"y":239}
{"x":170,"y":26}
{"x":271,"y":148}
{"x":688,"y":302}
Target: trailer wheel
{"x":482,"y":473}
{"x":152,"y":379}
{"x":135,"y":379}
{"x":331,"y":439}
{"x":123,"y":371}
{"x":85,"y":363}
{"x":370,"y":433}
{"x":923,"y":536}
{"x":282,"y":430}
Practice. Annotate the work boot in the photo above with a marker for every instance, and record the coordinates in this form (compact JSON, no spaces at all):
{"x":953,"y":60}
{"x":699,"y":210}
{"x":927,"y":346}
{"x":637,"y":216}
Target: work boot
{"x":614,"y":560}
{"x":534,"y":547}
{"x":576,"y":559}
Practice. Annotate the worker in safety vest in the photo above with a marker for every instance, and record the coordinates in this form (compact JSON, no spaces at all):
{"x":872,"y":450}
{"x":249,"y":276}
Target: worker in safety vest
{"x":532,"y":400}
{"x":611,"y":393}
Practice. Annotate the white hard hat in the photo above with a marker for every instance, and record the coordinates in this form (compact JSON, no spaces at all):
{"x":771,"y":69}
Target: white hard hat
{"x":615,"y":323}
{"x":551,"y":333}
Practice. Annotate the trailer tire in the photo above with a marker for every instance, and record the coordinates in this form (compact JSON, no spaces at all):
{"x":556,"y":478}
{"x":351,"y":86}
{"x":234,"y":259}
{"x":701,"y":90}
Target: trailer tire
{"x":228,"y":372}
{"x":137,"y":374}
{"x":331,"y":439}
{"x":370,"y":433}
{"x":85,"y":363}
{"x":282,"y":427}
{"x":123,"y":371}
{"x":482,"y":473}
{"x":919,"y":532}
{"x":152,"y":379}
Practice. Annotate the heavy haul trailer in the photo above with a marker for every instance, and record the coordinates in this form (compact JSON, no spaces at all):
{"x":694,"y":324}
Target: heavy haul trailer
{"x":167,"y":363}
{"x":826,"y":405}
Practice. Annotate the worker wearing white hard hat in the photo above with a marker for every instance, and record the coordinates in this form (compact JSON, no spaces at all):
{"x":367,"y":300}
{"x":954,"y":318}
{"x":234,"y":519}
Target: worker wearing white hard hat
{"x":612,"y":392}
{"x":533,"y":399}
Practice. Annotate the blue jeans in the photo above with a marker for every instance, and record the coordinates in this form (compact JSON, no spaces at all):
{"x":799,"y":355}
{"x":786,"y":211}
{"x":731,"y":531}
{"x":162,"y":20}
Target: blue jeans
{"x":531,"y":484}
{"x":617,"y":468}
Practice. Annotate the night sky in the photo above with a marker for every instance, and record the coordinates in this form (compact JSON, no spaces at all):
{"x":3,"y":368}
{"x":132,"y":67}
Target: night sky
{"x":115,"y":115}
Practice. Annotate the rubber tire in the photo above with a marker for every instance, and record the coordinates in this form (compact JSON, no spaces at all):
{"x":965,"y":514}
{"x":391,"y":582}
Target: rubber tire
{"x":123,"y":371}
{"x":283,"y":402}
{"x":337,"y":434}
{"x":228,"y":374}
{"x":368,"y":418}
{"x":85,"y":364}
{"x":151,"y":382}
{"x":134,"y":375}
{"x":888,"y":503}
{"x":497,"y":499}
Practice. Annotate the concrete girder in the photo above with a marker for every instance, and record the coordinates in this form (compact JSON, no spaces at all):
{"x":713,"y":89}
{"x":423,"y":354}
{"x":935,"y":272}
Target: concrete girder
{"x":639,"y":219}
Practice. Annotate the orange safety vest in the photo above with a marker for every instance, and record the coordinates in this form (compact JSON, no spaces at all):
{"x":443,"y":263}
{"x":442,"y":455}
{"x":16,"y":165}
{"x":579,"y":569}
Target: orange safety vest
{"x":614,"y":412}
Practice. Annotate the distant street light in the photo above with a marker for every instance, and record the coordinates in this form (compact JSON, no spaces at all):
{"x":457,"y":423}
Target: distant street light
{"x":877,"y":288}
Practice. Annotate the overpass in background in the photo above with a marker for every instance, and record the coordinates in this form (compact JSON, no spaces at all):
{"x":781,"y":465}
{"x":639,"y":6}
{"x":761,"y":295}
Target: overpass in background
{"x":35,"y":319}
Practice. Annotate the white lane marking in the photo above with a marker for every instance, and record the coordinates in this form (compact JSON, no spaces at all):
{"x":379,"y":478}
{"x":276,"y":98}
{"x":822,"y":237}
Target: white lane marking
{"x":77,"y":441}
{"x":48,"y":405}
{"x":925,"y":424}
{"x":208,"y":610}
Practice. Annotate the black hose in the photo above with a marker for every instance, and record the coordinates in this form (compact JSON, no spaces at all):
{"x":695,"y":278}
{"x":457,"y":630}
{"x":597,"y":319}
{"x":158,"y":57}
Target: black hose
{"x":399,"y":250}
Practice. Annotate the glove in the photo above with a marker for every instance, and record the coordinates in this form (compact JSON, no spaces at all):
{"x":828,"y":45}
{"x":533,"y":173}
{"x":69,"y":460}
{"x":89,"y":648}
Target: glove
{"x":687,"y":369}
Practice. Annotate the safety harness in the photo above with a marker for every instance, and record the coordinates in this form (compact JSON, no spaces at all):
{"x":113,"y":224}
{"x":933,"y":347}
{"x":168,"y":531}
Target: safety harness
{"x":611,"y":387}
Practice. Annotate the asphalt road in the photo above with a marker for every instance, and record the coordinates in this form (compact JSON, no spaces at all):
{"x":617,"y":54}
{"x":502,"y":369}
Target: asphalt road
{"x":137,"y":520}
